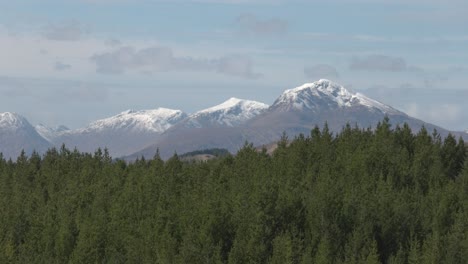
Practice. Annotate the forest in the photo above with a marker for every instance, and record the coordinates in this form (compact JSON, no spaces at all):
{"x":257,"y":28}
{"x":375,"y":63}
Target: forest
{"x":382,"y":195}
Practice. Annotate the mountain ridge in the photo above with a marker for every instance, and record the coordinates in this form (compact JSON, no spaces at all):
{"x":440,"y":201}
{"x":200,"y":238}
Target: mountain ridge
{"x":296,"y":111}
{"x":230,"y":113}
{"x":226,"y":125}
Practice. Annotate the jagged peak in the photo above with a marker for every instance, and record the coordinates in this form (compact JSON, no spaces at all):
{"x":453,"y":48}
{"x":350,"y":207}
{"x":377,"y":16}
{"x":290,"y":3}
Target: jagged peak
{"x":156,"y":120}
{"x":323,"y":85}
{"x":303,"y":96}
{"x":11,"y":119}
{"x":156,"y":111}
{"x":231,"y":103}
{"x":232,"y":112}
{"x":127,"y":112}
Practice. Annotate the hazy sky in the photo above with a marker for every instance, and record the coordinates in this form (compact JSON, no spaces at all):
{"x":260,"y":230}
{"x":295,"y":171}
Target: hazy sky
{"x":74,"y":61}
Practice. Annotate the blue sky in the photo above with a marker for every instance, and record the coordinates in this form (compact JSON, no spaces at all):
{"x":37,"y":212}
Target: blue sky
{"x":74,"y":61}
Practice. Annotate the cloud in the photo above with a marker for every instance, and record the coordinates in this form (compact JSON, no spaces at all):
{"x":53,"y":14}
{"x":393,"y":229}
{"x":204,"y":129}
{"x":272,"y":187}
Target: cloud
{"x":248,"y":2}
{"x":382,"y":63}
{"x":455,"y":69}
{"x":241,"y":66}
{"x":444,"y":107}
{"x":48,"y":90}
{"x":434,"y":81}
{"x":80,"y":92}
{"x":442,"y":114}
{"x":113,"y":42}
{"x":378,"y":63}
{"x":254,"y":26}
{"x":320,"y":71}
{"x":162,"y":59}
{"x":66,"y":31}
{"x":60,"y":66}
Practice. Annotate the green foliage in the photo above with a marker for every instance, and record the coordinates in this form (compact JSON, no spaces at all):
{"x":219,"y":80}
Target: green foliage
{"x":360,"y":196}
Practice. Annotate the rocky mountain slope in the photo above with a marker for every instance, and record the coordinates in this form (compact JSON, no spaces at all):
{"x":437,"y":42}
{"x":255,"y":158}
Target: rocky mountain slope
{"x":17,"y":134}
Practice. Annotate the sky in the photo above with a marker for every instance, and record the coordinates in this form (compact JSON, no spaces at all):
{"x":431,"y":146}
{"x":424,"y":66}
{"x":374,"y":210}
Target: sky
{"x":70,"y":62}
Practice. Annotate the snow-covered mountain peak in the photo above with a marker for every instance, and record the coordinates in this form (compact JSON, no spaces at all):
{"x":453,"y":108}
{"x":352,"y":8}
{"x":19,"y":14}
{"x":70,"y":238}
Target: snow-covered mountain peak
{"x":232,"y":112}
{"x":126,"y":112}
{"x":301,"y":96}
{"x":155,"y":120}
{"x":232,"y":103}
{"x":325,"y":93}
{"x":17,"y":135}
{"x":11,"y":121}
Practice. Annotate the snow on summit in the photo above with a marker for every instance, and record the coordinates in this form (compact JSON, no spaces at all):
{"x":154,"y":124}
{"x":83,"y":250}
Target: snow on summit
{"x":156,"y":120}
{"x":313,"y":95}
{"x":230,"y":113}
{"x":10,"y":120}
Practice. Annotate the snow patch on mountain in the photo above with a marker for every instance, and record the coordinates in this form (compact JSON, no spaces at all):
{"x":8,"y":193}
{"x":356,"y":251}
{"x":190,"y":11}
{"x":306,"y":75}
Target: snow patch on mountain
{"x":156,"y":120}
{"x":308,"y":95}
{"x":50,"y":133}
{"x":232,"y":112}
{"x":17,"y":134}
{"x":12,"y":121}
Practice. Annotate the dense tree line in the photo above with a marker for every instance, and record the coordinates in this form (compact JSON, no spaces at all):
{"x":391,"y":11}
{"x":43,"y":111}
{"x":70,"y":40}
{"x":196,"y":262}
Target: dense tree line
{"x":217,"y":152}
{"x":360,"y":196}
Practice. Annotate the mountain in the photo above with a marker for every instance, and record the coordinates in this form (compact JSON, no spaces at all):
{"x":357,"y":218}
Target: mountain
{"x":50,"y":133}
{"x":122,"y":134}
{"x":326,"y":95}
{"x":227,"y":125}
{"x":299,"y":109}
{"x":17,"y":134}
{"x":131,"y":131}
{"x":202,"y":129}
{"x":231,"y":113}
{"x":295,"y":111}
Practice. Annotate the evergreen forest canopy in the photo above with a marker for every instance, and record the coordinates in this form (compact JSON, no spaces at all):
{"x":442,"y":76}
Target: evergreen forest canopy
{"x":360,"y":196}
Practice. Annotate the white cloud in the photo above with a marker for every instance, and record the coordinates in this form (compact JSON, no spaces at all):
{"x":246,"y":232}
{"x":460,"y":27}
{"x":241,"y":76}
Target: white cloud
{"x":237,"y":65}
{"x":378,"y":63}
{"x":65,"y":31}
{"x":49,"y":90}
{"x":435,"y":104}
{"x":382,"y":63}
{"x":319,"y":71}
{"x":113,"y":42}
{"x":60,"y":66}
{"x":444,"y":113}
{"x":162,"y":59}
{"x":255,"y":26}
{"x":33,"y":55}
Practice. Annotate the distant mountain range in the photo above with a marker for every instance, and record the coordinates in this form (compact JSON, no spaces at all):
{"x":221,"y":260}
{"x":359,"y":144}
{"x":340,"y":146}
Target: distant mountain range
{"x":126,"y":132}
{"x":295,"y":111}
{"x":229,"y":125}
